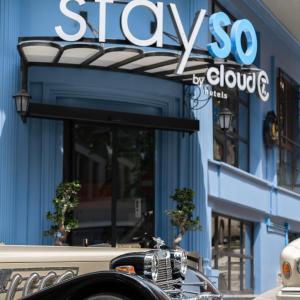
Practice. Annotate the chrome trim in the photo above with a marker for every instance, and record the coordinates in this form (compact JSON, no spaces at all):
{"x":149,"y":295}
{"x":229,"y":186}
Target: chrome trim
{"x":151,"y":266}
{"x":48,"y":280}
{"x":17,"y":279}
{"x":13,"y":281}
{"x":66,"y":276}
{"x":29,"y":285}
{"x":179,"y":261}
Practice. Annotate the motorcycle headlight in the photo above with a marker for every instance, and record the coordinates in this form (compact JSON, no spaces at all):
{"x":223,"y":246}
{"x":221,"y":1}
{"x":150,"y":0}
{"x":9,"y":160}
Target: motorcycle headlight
{"x":179,"y":261}
{"x":151,"y":266}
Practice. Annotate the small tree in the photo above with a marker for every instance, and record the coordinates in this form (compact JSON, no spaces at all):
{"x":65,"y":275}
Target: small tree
{"x":182,"y":216}
{"x":63,"y":221}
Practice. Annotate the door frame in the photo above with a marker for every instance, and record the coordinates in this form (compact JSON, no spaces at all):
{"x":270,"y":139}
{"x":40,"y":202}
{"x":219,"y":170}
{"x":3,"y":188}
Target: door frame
{"x":216,"y":254}
{"x":69,"y":167}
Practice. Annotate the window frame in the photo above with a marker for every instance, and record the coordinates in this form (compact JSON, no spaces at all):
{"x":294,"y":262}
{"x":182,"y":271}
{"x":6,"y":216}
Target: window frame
{"x":69,"y":169}
{"x":286,"y":142}
{"x":216,"y":253}
{"x":236,"y":137}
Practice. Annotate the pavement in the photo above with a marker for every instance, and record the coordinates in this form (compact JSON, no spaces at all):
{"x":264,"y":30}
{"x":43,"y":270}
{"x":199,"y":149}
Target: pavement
{"x":269,"y":295}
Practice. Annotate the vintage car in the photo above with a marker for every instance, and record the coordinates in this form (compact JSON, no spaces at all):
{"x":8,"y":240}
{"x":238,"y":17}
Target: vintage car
{"x":100,"y":273}
{"x":290,"y":272}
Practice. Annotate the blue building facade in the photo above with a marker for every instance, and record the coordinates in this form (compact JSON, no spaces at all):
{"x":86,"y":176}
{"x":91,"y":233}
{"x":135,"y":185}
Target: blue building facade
{"x":247,"y":212}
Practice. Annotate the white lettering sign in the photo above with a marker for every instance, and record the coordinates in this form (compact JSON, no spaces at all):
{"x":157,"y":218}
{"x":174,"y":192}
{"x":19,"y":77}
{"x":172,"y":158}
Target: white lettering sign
{"x":157,"y":10}
{"x":249,"y":82}
{"x":68,"y":13}
{"x":102,"y":19}
{"x":221,"y":48}
{"x":189,"y":42}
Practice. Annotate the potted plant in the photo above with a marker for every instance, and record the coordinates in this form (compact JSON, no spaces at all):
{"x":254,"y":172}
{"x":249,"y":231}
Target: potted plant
{"x":63,"y":221}
{"x":182,"y":216}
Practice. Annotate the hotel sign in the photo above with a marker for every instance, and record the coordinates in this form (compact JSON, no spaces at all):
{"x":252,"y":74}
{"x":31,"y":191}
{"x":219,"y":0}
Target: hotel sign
{"x":225,"y":44}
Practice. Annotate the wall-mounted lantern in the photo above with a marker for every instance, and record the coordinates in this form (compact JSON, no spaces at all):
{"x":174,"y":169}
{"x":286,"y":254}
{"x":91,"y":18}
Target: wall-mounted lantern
{"x":225,"y":119}
{"x":198,"y":99}
{"x":22,"y":99}
{"x":271,"y":130}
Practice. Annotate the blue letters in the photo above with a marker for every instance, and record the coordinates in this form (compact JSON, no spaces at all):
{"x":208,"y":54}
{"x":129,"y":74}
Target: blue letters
{"x":237,"y":30}
{"x":216,"y":22}
{"x":233,"y":44}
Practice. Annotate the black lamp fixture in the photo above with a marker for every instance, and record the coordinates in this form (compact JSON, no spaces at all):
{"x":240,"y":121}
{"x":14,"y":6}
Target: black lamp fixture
{"x":22,"y":99}
{"x":225,"y":119}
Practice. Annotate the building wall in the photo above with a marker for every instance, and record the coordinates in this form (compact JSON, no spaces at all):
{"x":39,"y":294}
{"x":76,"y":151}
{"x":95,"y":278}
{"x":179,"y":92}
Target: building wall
{"x":9,"y":122}
{"x":40,"y":176}
{"x":255,"y":196}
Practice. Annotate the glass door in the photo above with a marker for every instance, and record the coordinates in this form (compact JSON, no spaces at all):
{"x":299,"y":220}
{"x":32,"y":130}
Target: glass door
{"x":232,"y":254}
{"x":134,"y":184}
{"x":115,"y":167}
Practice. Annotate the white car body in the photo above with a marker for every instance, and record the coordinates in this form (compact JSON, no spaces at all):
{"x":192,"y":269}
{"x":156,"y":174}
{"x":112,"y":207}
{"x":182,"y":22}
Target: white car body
{"x":291,"y":284}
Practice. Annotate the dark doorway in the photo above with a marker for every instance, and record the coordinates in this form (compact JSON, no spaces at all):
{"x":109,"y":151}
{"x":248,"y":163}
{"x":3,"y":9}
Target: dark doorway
{"x":115,"y":167}
{"x":232,"y":254}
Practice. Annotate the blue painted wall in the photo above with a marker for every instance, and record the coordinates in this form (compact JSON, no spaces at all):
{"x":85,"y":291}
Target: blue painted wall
{"x":9,"y":123}
{"x":255,"y":196}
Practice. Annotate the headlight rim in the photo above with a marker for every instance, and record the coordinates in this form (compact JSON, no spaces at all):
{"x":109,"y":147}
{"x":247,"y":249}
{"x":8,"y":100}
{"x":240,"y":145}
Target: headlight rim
{"x":151,"y":262}
{"x":180,"y":260}
{"x":184,"y":265}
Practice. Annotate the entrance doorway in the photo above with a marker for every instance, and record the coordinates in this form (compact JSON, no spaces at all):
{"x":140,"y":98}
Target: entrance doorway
{"x":232,"y":253}
{"x":115,"y":166}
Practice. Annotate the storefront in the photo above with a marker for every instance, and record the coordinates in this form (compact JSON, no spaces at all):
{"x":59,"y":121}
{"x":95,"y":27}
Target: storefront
{"x":129,"y":115}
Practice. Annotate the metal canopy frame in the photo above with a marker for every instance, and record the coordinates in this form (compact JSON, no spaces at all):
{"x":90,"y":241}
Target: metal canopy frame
{"x":105,"y":117}
{"x":163,"y":66}
{"x":57,"y":112}
{"x":115,"y":55}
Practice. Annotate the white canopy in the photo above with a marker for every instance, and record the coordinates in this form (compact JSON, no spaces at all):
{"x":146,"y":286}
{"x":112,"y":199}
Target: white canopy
{"x":160,"y":64}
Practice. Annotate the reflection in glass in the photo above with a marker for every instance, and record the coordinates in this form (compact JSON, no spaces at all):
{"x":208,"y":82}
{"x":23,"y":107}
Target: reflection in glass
{"x":115,"y":167}
{"x":135,"y":184}
{"x":227,"y":143}
{"x":232,"y":253}
{"x":93,"y":168}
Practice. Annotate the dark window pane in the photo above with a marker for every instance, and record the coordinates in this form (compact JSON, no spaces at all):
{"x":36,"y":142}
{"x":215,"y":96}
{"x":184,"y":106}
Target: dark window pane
{"x":93,"y":162}
{"x":231,"y":155}
{"x":232,"y":146}
{"x":116,"y":170}
{"x":243,"y":156}
{"x":232,"y":253}
{"x":235,"y":238}
{"x":219,"y":150}
{"x":135,"y":184}
{"x":243,"y":121}
{"x":288,"y":115}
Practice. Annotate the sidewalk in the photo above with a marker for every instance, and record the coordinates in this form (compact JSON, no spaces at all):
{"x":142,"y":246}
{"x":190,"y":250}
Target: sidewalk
{"x":239,"y":297}
{"x":269,"y":295}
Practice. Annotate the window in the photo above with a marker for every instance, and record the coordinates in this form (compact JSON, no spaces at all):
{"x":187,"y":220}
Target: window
{"x":288,"y":106}
{"x":232,"y":146}
{"x":232,"y":253}
{"x":293,"y":236}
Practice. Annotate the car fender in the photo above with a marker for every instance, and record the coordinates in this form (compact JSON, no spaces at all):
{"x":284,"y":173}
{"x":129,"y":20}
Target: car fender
{"x":84,"y":286}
